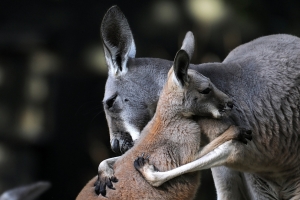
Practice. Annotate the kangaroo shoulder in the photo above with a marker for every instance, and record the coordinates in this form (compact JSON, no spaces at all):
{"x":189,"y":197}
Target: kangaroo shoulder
{"x":279,"y":45}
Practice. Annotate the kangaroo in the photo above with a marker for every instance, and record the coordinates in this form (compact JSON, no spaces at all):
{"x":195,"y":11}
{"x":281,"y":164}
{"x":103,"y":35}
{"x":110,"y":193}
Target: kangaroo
{"x":262,"y":77}
{"x":173,"y":138}
{"x":28,"y":192}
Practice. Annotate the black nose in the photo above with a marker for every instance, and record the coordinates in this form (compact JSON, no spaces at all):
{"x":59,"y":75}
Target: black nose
{"x":230,"y":104}
{"x":115,"y":146}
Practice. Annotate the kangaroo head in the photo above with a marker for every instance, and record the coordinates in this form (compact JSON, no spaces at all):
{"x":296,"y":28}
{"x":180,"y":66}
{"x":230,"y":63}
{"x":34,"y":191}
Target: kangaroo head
{"x":133,"y":84}
{"x":190,"y":93}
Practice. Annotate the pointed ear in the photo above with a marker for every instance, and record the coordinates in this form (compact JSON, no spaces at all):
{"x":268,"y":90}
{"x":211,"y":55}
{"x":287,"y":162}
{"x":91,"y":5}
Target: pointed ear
{"x":28,"y":192}
{"x":188,"y":44}
{"x":118,"y":41}
{"x":181,"y":65}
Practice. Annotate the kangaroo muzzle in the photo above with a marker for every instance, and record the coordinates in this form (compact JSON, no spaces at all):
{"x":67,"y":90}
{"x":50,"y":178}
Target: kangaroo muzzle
{"x":121,"y":143}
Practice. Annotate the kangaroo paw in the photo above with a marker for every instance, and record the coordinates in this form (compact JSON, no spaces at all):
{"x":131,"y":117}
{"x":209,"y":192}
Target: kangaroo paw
{"x":244,"y":135}
{"x":140,"y":163}
{"x":103,"y":182}
{"x":148,"y":171}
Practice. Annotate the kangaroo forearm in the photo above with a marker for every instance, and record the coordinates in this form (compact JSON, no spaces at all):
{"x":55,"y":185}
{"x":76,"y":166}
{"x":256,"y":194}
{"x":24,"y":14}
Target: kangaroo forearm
{"x":210,"y":155}
{"x":111,"y":161}
{"x":214,"y":158}
{"x":229,"y":134}
{"x":107,"y":163}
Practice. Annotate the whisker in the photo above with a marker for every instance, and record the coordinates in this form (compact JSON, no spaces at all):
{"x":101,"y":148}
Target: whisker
{"x":93,"y":109}
{"x":97,"y":115}
{"x":84,"y":104}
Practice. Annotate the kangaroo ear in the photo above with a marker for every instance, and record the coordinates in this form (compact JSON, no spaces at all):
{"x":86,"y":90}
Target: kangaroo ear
{"x":188,"y":44}
{"x":118,"y":41}
{"x":28,"y":192}
{"x":181,"y":65}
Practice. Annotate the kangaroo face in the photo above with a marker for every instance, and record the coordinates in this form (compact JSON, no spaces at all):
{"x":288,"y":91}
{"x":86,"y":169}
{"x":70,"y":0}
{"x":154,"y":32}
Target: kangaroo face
{"x":204,"y":98}
{"x":190,"y":93}
{"x":133,"y":85}
{"x":129,"y":103}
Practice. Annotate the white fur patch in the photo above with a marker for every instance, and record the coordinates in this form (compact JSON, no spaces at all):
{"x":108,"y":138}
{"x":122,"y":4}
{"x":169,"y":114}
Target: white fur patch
{"x":132,"y":50}
{"x":135,"y":134}
{"x":216,"y":113}
{"x":187,"y":114}
{"x":214,"y":158}
{"x":175,"y":79}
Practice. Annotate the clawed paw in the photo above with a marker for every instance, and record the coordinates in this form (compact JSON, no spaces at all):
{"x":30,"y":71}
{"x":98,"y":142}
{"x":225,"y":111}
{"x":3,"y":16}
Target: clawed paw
{"x":244,"y":135}
{"x":102,"y":182}
{"x":148,"y":171}
{"x":141,"y":162}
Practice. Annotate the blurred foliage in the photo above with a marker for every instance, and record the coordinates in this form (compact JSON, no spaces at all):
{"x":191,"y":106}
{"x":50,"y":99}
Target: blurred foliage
{"x":52,"y":75}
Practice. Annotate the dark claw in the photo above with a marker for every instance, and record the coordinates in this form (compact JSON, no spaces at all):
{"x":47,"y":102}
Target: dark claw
{"x":97,"y":187}
{"x":249,"y":132}
{"x":97,"y":182}
{"x":243,"y":140}
{"x":139,"y":162}
{"x":103,"y":188}
{"x":102,"y":183}
{"x":245,"y":135}
{"x":114,"y":179}
{"x":109,"y":184}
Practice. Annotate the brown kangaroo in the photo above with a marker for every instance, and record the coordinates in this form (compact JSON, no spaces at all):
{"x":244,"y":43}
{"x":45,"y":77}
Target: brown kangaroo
{"x":172,"y":138}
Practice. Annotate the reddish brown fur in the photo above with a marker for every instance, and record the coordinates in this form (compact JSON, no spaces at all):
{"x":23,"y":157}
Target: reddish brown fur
{"x":132,"y":185}
{"x":171,"y":139}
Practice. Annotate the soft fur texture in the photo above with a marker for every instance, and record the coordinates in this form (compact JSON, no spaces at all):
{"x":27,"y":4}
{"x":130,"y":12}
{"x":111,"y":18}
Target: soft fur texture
{"x":172,"y":138}
{"x":262,"y":77}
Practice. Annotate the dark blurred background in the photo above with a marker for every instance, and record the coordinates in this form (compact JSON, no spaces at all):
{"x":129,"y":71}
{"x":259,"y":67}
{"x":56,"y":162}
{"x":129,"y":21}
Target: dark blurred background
{"x":53,"y":72}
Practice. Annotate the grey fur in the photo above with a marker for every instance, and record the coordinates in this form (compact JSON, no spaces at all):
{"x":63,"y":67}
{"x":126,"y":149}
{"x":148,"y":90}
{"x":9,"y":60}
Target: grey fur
{"x":171,"y":139}
{"x":262,"y":77}
{"x":28,"y":192}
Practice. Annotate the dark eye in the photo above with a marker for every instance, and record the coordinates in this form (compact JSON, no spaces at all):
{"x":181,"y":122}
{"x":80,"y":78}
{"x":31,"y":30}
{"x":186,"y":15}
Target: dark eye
{"x":126,"y":100}
{"x":110,"y":102}
{"x":206,"y":91}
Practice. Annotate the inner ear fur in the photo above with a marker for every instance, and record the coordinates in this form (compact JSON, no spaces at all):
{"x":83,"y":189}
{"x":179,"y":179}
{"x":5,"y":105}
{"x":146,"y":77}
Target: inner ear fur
{"x":181,"y":65}
{"x":118,"y":40}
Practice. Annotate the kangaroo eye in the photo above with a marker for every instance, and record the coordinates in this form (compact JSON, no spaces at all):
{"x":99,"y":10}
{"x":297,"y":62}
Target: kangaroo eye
{"x":206,"y":91}
{"x":110,"y":102}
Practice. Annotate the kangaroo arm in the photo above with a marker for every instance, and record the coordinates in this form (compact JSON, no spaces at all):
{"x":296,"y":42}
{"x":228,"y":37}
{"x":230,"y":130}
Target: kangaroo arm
{"x":105,"y":169}
{"x":212,"y":155}
{"x":107,"y":165}
{"x":214,"y":158}
{"x":105,"y":176}
{"x":232,"y":132}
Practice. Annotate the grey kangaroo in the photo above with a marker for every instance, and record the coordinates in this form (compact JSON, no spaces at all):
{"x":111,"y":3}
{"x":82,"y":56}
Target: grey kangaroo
{"x":262,"y":77}
{"x":172,"y":138}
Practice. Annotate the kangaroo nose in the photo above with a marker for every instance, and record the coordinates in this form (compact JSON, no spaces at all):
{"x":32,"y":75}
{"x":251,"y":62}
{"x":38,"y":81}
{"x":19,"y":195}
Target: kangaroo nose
{"x":115,"y":146}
